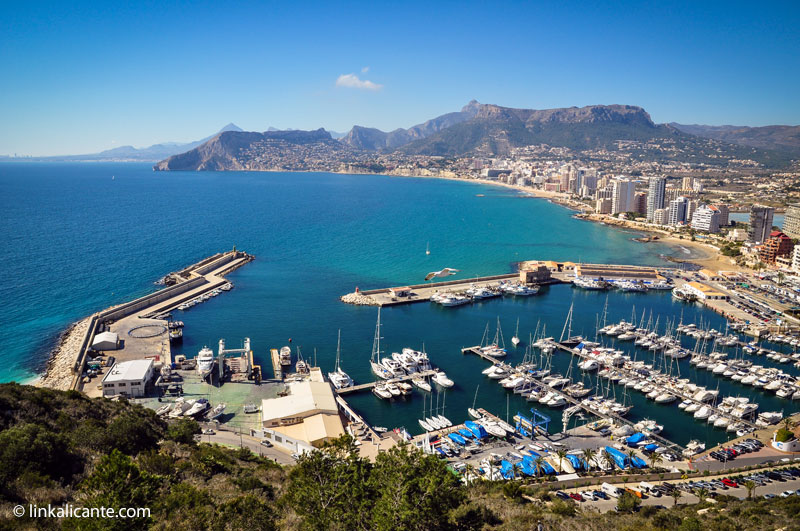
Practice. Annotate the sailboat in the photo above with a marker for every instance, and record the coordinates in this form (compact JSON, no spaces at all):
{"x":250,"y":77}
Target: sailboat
{"x":472,"y":411}
{"x":428,"y":248}
{"x":375,"y":360}
{"x":338,"y":377}
{"x":515,"y":339}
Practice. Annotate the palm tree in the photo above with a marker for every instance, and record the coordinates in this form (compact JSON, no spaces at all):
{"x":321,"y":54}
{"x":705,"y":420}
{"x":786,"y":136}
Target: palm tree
{"x":516,"y":470}
{"x":702,"y":493}
{"x":631,"y":455}
{"x":787,"y":423}
{"x":539,"y":462}
{"x":750,"y":485}
{"x":780,"y":279}
{"x":610,"y":461}
{"x":561,"y":454}
{"x":589,"y":455}
{"x":655,"y":458}
{"x":676,"y":495}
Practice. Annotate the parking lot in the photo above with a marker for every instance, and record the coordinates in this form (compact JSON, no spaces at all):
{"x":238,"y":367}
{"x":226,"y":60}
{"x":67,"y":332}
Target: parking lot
{"x":783,"y":481}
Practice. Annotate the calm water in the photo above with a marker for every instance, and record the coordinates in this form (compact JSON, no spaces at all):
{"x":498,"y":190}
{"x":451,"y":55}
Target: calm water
{"x":744,"y":217}
{"x":76,"y":240}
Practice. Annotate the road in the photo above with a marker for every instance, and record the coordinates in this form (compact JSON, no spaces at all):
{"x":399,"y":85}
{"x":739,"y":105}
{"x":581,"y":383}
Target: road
{"x":227,"y":438}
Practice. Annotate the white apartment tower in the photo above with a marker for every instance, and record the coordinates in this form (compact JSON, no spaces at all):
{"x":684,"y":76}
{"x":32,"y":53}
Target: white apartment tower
{"x":655,"y":196}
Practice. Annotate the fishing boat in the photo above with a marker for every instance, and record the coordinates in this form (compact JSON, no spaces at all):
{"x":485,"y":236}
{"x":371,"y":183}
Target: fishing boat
{"x":285,"y":356}
{"x":339,"y":379}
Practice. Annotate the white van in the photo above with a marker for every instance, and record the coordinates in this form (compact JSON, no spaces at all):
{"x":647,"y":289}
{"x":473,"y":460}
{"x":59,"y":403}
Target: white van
{"x":610,"y":490}
{"x":649,"y":489}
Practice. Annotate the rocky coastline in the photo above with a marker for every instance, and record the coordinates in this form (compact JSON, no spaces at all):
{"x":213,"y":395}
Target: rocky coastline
{"x":58,"y":374}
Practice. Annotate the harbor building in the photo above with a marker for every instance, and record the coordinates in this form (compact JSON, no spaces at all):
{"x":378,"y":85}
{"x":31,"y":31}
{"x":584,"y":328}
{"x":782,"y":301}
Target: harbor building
{"x":706,"y":218}
{"x":760,"y":223}
{"x":704,"y":292}
{"x":307,"y":413}
{"x":791,"y":221}
{"x":534,"y":273}
{"x":128,"y":378}
{"x":105,"y":341}
{"x":655,"y":196}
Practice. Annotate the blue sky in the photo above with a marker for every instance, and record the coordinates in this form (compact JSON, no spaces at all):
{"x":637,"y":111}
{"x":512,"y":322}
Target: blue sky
{"x":81,"y":77}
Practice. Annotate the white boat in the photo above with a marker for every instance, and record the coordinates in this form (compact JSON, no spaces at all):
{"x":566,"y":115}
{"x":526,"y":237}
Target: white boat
{"x":422,"y":384}
{"x":200,"y":405}
{"x":394,"y":389}
{"x":474,"y":413}
{"x":444,"y":420}
{"x":339,"y":379}
{"x":218,"y":410}
{"x":425,"y":425}
{"x":702,"y":413}
{"x":665,"y":398}
{"x":285,"y":356}
{"x":493,"y":429}
{"x":440,"y":378}
{"x":515,"y":338}
{"x":205,"y":362}
{"x":381,"y":391}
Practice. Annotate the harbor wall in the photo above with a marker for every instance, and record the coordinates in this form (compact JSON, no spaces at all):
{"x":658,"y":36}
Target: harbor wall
{"x":447,"y":283}
{"x":127,"y":309}
{"x":216,"y":264}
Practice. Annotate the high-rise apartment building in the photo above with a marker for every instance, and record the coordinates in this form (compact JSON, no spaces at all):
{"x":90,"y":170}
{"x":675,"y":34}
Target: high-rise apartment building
{"x":760,"y":223}
{"x":655,"y":195}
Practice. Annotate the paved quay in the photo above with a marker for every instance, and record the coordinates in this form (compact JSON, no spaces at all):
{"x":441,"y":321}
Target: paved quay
{"x":141,"y":324}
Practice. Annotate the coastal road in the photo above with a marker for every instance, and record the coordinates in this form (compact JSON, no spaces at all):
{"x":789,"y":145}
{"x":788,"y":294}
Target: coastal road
{"x":227,"y":438}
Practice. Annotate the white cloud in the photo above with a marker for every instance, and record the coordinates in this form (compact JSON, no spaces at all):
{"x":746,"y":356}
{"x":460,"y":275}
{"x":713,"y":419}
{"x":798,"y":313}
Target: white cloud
{"x":365,"y":70}
{"x":353,"y":81}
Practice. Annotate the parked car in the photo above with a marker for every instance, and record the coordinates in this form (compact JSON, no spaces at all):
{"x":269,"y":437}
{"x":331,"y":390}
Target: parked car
{"x":562,"y":495}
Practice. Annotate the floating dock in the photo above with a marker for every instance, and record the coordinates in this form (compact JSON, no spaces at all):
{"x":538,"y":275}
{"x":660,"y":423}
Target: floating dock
{"x":573,"y":401}
{"x":370,"y":385}
{"x":277,"y":368}
{"x":539,"y":272}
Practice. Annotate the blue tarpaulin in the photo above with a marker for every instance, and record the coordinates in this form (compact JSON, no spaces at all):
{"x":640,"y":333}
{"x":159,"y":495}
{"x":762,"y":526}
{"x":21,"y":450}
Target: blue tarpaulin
{"x":456,"y":438}
{"x":636,"y":438}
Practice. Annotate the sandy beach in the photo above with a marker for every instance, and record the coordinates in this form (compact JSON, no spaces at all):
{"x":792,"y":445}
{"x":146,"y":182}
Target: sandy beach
{"x":685,"y":250}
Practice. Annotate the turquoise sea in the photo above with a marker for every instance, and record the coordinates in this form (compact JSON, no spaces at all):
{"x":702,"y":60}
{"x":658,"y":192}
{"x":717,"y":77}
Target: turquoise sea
{"x":80,"y":237}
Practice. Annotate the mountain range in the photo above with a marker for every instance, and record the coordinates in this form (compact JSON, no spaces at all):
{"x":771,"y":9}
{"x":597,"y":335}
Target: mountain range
{"x":492,"y":130}
{"x":785,"y":138}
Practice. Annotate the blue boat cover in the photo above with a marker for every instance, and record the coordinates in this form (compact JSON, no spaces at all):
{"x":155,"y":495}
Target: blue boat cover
{"x":546,"y":468}
{"x":638,"y":462}
{"x":476,"y":429}
{"x":456,"y":438}
{"x":506,"y":469}
{"x":575,"y":461}
{"x":620,"y":459}
{"x":651,"y":447}
{"x":636,"y":438}
{"x":464,"y":432}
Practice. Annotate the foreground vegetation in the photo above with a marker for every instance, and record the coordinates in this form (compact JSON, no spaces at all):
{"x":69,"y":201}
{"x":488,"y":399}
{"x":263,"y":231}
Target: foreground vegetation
{"x":58,"y":448}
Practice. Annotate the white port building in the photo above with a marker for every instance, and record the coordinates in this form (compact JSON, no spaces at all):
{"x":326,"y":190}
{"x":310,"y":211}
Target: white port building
{"x":128,"y":378}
